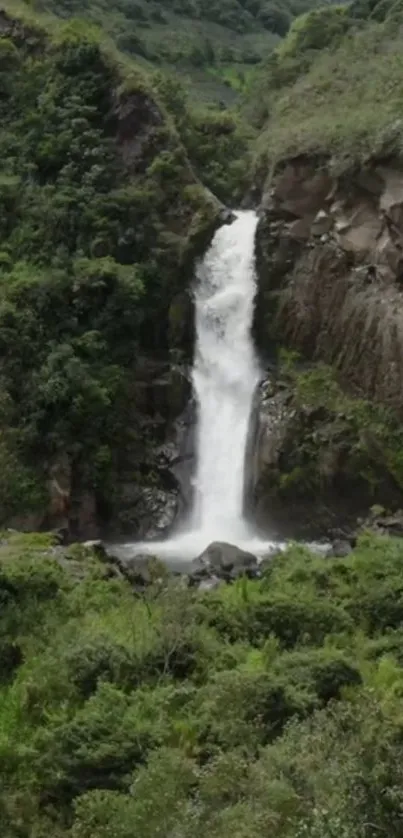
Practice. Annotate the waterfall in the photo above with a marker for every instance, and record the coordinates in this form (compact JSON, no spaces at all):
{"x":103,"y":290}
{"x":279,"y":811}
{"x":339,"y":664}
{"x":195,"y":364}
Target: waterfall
{"x":225,"y":375}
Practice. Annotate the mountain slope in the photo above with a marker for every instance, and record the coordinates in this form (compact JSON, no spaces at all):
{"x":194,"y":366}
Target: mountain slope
{"x":333,"y":86}
{"x":101,"y":216}
{"x":212,"y":45}
{"x":329,"y":165}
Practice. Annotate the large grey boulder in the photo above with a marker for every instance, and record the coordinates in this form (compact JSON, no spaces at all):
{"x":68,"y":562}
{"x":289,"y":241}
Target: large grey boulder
{"x":223,"y":561}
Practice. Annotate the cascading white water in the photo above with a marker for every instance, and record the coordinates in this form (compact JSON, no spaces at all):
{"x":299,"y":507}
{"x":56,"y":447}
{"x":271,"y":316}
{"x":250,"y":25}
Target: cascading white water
{"x":225,"y":376}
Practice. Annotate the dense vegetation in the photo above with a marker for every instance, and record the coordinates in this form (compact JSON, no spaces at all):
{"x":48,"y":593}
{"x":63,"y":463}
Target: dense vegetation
{"x":96,"y":236}
{"x":269,"y":707}
{"x":214,"y":43}
{"x":333,"y":86}
{"x":335,"y":438}
{"x":242,"y":712}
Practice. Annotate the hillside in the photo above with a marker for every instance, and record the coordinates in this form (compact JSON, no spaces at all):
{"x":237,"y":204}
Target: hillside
{"x":102,"y":216}
{"x":212,"y":45}
{"x":329,"y":168}
{"x":237,"y":699}
{"x":333,"y":86}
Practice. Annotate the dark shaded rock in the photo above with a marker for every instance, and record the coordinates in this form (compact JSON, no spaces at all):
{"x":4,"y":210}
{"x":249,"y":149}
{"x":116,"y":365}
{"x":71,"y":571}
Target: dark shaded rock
{"x":11,"y":657}
{"x":339,"y":550}
{"x":226,"y":216}
{"x":97,"y":547}
{"x":393,"y":524}
{"x":135,"y":117}
{"x":146,"y":511}
{"x":329,"y":262}
{"x":224,"y":561}
{"x":140,"y":570}
{"x":83,"y":522}
{"x":382,"y":523}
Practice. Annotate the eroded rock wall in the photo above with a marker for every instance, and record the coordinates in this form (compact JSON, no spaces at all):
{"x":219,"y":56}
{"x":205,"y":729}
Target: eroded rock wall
{"x":330,"y":264}
{"x":330,"y":269}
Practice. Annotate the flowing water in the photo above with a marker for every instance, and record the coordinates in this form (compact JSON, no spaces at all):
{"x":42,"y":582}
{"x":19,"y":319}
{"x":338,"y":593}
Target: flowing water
{"x":225,"y":376}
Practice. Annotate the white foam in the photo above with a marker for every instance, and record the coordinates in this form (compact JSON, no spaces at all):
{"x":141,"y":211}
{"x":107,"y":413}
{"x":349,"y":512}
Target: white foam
{"x":225,"y":375}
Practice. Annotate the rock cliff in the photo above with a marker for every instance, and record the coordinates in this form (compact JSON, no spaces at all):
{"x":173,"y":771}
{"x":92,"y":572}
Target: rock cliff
{"x":330,"y":264}
{"x":330,"y":267}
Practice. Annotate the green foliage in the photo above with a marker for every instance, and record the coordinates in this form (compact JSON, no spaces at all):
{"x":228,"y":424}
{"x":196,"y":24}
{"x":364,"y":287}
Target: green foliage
{"x":336,"y":437}
{"x":216,"y":141}
{"x":297,"y":732}
{"x":97,"y":239}
{"x":326,"y":89}
{"x":209,"y":43}
{"x":315,"y":30}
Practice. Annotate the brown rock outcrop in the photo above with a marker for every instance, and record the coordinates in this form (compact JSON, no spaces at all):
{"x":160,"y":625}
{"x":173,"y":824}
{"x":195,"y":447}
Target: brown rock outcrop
{"x":330,"y":265}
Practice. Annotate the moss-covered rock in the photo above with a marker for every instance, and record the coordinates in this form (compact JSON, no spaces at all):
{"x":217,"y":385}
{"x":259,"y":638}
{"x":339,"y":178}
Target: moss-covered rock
{"x":323,"y":453}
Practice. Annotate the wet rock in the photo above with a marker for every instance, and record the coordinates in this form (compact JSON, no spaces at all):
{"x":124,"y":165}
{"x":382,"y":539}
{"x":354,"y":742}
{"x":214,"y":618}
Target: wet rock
{"x":339,"y":550}
{"x":140,"y":570}
{"x":223,"y":561}
{"x":226,"y":216}
{"x":322,"y":223}
{"x":158,"y":512}
{"x":181,"y":322}
{"x":96,"y":547}
{"x":381,"y":522}
{"x":83,"y":521}
{"x":146,"y":512}
{"x":161,"y":390}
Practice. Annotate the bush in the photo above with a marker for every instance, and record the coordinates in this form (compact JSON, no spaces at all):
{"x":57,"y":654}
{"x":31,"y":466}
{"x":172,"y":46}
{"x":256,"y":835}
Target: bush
{"x":100,"y":746}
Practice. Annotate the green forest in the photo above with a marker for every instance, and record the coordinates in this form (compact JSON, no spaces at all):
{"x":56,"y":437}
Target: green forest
{"x":211,"y":44}
{"x":266,"y":708}
{"x":248,"y":711}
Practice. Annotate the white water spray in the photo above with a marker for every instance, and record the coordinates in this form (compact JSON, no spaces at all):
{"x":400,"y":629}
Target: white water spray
{"x":225,"y":375}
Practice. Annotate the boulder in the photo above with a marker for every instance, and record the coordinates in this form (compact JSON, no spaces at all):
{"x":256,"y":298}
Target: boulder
{"x":96,"y":547}
{"x":226,"y":216}
{"x":339,"y":549}
{"x":379,"y":521}
{"x":146,"y":512}
{"x":140,"y":570}
{"x":223,"y":561}
{"x":322,"y":223}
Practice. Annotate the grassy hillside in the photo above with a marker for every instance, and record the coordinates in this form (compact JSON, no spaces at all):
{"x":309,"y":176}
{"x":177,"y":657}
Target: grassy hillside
{"x":212,"y":44}
{"x":244,"y":712}
{"x":334,"y":85}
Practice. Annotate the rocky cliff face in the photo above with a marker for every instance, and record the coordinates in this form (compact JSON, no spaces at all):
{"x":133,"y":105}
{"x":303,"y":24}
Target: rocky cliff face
{"x":330,"y":260}
{"x":330,"y":266}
